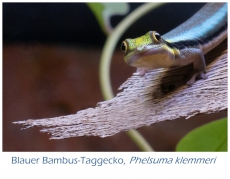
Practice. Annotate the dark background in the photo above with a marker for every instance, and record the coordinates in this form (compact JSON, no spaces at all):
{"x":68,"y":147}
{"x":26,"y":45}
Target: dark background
{"x":51,"y":54}
{"x":74,"y":23}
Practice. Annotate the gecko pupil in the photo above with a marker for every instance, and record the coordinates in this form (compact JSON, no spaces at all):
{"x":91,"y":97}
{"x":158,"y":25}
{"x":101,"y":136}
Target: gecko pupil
{"x":123,"y":47}
{"x":158,"y":37}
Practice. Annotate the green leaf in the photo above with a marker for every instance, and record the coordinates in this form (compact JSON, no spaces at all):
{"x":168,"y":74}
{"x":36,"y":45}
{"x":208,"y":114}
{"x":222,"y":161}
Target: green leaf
{"x":209,"y":137}
{"x":103,"y":12}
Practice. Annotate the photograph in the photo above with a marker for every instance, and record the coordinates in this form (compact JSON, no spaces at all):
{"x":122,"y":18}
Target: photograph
{"x":115,"y":77}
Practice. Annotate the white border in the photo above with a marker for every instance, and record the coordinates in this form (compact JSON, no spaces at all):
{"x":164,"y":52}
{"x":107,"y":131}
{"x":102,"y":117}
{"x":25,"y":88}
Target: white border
{"x":8,"y":170}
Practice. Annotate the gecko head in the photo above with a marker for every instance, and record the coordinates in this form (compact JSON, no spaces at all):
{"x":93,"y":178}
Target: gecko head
{"x":147,"y":51}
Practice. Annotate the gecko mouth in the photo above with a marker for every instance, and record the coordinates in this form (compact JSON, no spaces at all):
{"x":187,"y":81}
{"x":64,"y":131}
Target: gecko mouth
{"x":143,"y":56}
{"x":154,"y":58}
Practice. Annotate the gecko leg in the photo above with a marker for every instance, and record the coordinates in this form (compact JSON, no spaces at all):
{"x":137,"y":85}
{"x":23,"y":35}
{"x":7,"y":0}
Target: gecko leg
{"x":199,"y":68}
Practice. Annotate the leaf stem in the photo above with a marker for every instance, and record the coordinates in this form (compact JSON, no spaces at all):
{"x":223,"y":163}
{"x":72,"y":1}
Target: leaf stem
{"x":139,"y":140}
{"x":107,"y":52}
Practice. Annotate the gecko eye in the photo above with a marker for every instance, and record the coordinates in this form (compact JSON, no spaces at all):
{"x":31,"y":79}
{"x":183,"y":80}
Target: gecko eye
{"x":124,"y":47}
{"x":157,"y":36}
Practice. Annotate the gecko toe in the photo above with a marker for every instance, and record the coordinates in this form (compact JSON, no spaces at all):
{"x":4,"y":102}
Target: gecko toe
{"x":201,"y":75}
{"x":190,"y":82}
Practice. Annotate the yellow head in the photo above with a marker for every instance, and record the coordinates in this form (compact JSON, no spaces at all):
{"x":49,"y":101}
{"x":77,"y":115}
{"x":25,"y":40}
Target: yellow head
{"x":148,"y":51}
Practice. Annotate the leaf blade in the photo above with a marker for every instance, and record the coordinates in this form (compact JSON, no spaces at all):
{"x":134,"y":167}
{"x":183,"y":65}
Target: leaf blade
{"x":209,"y":137}
{"x":104,"y":11}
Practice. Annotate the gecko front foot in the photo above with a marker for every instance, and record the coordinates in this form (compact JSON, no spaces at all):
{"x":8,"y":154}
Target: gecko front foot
{"x":141,"y":71}
{"x":195,"y":74}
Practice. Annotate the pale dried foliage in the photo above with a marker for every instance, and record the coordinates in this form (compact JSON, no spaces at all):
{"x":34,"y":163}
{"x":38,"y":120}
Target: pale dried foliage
{"x":157,"y":96}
